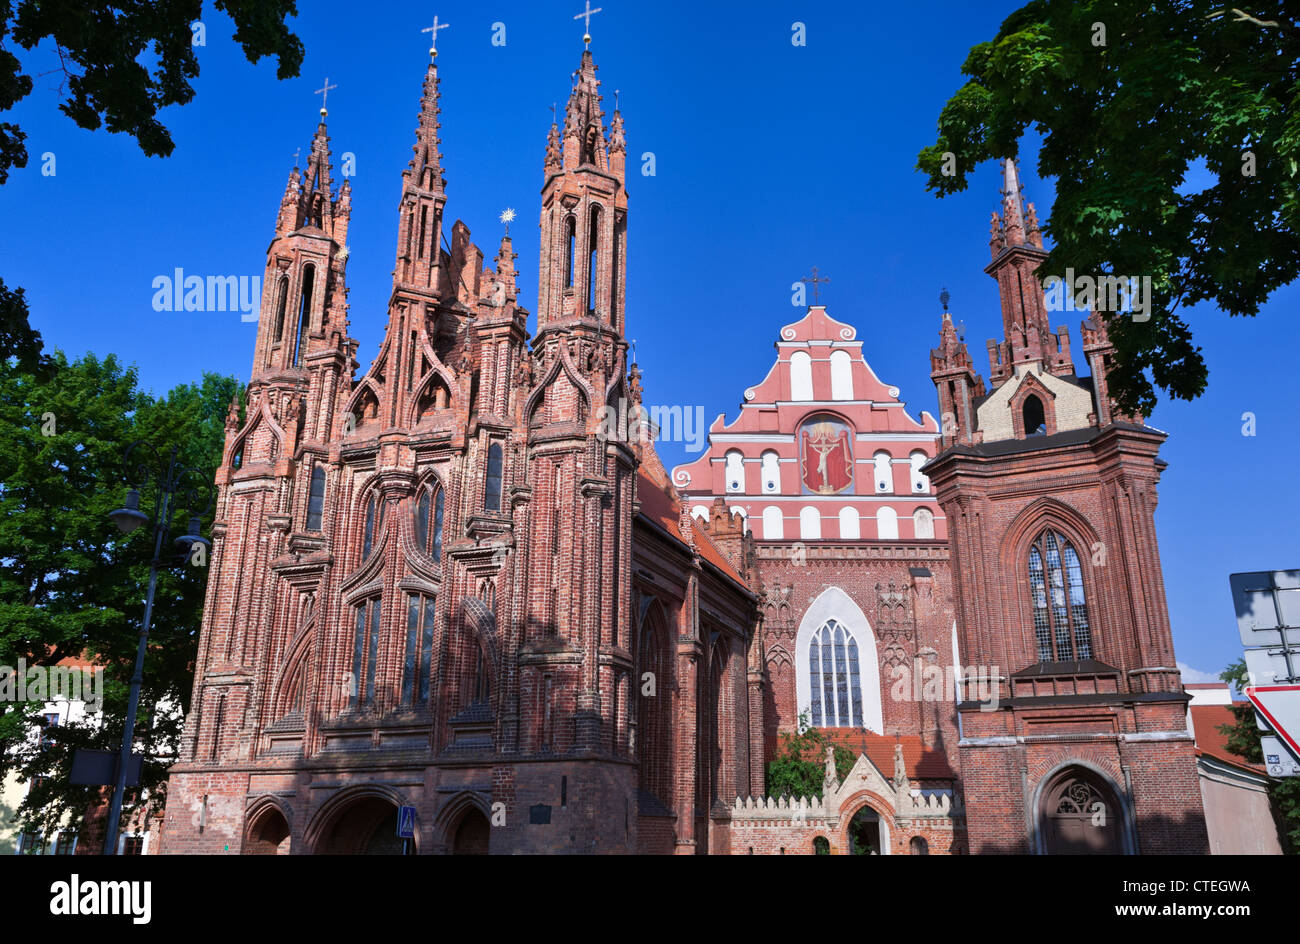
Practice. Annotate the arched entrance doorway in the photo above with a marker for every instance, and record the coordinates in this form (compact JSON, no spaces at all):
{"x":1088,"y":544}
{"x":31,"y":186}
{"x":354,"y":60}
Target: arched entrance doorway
{"x":366,"y":826}
{"x":470,"y":836}
{"x":866,"y":837}
{"x":1079,"y":814}
{"x":268,"y":833}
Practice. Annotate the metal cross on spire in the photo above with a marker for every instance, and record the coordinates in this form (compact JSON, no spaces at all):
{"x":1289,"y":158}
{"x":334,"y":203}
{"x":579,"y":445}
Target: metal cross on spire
{"x":324,"y":95}
{"x":586,"y":16}
{"x":296,"y":152}
{"x":433,"y":39}
{"x":815,"y":282}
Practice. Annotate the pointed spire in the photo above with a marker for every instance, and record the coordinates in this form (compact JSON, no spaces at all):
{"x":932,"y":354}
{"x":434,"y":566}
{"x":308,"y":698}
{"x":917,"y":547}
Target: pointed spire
{"x":425,"y":167}
{"x":584,"y":126}
{"x":1012,"y":201}
{"x":553,"y":160}
{"x":315,"y":200}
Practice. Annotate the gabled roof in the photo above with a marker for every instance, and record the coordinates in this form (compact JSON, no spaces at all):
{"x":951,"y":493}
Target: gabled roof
{"x":1211,"y":742}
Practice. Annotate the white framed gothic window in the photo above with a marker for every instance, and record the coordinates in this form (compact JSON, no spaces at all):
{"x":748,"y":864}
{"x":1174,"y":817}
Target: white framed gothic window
{"x":884,"y":473}
{"x":920,"y":483}
{"x":841,"y":375}
{"x":838,"y":671}
{"x":773,"y":524}
{"x":801,"y":384}
{"x":734,"y":471}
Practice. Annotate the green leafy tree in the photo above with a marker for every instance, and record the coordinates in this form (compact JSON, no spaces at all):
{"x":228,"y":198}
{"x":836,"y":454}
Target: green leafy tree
{"x":122,"y":61}
{"x":799,"y":765}
{"x":72,"y":584}
{"x":1130,"y":97}
{"x":1243,"y":740}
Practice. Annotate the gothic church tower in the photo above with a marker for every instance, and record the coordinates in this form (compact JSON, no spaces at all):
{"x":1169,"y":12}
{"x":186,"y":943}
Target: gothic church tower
{"x":1073,"y":720}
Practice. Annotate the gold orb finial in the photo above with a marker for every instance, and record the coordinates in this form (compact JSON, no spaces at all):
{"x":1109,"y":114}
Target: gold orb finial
{"x":586,"y":38}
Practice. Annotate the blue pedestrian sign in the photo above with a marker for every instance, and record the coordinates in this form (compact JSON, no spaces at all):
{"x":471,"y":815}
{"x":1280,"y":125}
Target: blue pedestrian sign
{"x":406,"y":822}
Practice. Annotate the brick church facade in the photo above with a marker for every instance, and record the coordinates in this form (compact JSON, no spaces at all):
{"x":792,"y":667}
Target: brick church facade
{"x":441,"y":583}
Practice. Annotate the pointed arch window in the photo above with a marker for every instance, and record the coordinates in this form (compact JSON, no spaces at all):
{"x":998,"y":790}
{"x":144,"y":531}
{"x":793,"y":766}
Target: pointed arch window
{"x":593,"y":258}
{"x":492,"y":494}
{"x":281,"y":300}
{"x":428,"y":521}
{"x":374,"y":521}
{"x":419,"y":649}
{"x":365,"y":652}
{"x":834,"y":676}
{"x":316,"y":498}
{"x":1034,"y":416}
{"x":304,"y":311}
{"x":570,"y":240}
{"x":1061,"y":624}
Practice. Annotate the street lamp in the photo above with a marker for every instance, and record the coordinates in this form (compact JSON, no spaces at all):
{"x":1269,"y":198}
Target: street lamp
{"x":172,"y":494}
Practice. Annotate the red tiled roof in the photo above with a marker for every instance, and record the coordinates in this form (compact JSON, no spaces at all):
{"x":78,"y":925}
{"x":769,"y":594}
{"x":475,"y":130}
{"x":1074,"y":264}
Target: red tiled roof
{"x":922,"y":763}
{"x":1210,"y":742}
{"x":661,"y":507}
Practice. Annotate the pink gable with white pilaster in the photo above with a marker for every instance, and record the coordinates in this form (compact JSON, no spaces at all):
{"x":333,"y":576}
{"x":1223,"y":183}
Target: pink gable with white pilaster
{"x":782,"y":462}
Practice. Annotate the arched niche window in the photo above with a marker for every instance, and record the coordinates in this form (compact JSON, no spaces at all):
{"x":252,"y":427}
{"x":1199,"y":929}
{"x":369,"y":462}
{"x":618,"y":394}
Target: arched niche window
{"x":923,"y":523}
{"x":734,"y":471}
{"x":615,"y":260}
{"x":801,"y":385}
{"x":281,"y":300}
{"x":770,"y":472}
{"x":481,"y":679}
{"x":492,"y":493}
{"x":1061,"y":625}
{"x":850,"y":526}
{"x":887,"y":524}
{"x":883,"y":472}
{"x":374,"y":520}
{"x":593,"y":258}
{"x":773,"y":524}
{"x":316,"y":498}
{"x":304,"y":311}
{"x":836,"y":683}
{"x":920,"y":483}
{"x":428,"y":521}
{"x":821,"y":846}
{"x":810,"y":523}
{"x":918,"y":846}
{"x":570,"y":242}
{"x":1035,"y":419}
{"x":841,"y":375}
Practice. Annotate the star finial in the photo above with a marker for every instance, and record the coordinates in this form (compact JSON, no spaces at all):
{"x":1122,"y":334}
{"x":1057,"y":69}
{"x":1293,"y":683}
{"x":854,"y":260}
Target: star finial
{"x":507,"y":217}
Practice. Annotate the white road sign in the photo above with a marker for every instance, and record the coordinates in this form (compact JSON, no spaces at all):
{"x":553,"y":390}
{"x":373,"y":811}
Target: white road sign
{"x":1277,"y":759}
{"x":1266,"y":602}
{"x":1280,"y":707}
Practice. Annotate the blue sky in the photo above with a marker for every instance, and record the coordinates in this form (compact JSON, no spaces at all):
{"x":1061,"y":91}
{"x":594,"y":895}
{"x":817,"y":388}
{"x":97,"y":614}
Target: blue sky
{"x":770,"y":159}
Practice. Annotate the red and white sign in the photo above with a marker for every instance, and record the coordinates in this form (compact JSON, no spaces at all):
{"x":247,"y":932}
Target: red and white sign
{"x":1280,"y":707}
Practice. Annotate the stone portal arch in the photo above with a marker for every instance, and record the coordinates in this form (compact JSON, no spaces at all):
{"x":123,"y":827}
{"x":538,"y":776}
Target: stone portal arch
{"x":359,"y":822}
{"x":1080,"y":811}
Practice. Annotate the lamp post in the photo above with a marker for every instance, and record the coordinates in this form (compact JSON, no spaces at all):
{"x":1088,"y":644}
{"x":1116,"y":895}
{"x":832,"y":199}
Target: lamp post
{"x":172,"y":493}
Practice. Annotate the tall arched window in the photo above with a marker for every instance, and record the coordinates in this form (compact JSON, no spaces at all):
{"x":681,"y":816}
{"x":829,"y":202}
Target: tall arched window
{"x":836,"y":683}
{"x":428,"y":521}
{"x":1061,"y":624}
{"x":884,"y":472}
{"x":615,"y":261}
{"x":304,"y":311}
{"x":734,"y":471}
{"x":316,"y":498}
{"x":801,"y":385}
{"x":1033,"y":415}
{"x":593,"y":258}
{"x":770,"y":472}
{"x":887,"y":524}
{"x":773,"y":525}
{"x":570,"y":240}
{"x":492,"y":494}
{"x":374,"y":519}
{"x":841,"y":375}
{"x":281,"y":300}
{"x":920,"y":483}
